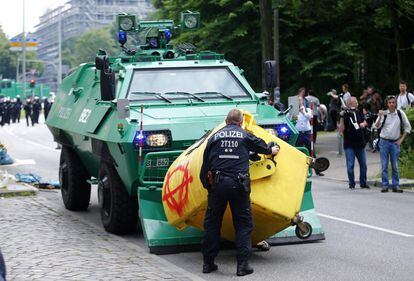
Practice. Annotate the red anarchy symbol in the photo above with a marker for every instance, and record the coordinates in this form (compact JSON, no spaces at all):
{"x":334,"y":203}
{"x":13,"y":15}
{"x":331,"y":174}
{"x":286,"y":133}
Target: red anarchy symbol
{"x":176,"y":198}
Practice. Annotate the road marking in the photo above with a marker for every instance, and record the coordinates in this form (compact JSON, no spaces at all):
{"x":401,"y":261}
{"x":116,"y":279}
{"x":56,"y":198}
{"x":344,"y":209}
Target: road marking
{"x":10,"y":131}
{"x":367,"y":226}
{"x":20,"y":162}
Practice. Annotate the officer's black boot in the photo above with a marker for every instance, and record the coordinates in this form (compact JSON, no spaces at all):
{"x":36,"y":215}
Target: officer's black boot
{"x":243,"y":268}
{"x":209,"y":265}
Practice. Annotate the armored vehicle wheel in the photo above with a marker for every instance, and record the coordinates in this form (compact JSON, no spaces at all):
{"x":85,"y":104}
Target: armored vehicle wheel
{"x":303,"y":230}
{"x":76,"y":191}
{"x":119,"y":211}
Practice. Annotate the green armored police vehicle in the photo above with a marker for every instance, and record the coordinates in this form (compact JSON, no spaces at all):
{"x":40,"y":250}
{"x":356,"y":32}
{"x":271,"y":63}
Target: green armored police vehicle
{"x":123,"y":120}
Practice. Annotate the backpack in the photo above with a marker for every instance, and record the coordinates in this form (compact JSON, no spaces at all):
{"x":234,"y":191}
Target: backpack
{"x":385,"y":118}
{"x":410,"y":104}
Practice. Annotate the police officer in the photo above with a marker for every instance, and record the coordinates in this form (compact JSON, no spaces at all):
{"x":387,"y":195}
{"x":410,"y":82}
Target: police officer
{"x":225,"y":174}
{"x":46,"y":107}
{"x":28,"y":107}
{"x":19,"y":108}
{"x":13,"y":110}
{"x":7,"y":111}
{"x":37,"y":106}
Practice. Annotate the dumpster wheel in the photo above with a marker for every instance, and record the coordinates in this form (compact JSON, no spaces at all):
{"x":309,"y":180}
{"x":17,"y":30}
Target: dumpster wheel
{"x":303,"y":230}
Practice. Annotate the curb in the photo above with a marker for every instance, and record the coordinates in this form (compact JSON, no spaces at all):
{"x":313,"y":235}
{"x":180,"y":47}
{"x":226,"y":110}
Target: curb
{"x":18,"y":190}
{"x":407,"y":184}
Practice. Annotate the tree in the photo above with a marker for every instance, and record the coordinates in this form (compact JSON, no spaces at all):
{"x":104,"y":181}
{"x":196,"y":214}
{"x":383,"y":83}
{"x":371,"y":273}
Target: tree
{"x":88,"y":44}
{"x":7,"y":58}
{"x":229,"y":27}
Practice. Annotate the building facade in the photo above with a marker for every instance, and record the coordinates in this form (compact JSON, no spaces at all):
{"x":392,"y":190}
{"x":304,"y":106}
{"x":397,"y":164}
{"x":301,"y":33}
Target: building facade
{"x":73,"y":19}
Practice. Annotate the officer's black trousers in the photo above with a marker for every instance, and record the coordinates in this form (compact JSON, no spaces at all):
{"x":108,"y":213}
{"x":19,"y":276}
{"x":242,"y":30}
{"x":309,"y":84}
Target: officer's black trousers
{"x":239,"y":201}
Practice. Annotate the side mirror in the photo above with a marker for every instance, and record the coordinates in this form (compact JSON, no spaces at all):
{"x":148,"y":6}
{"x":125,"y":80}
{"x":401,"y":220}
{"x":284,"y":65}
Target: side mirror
{"x":122,"y":107}
{"x":270,"y":73}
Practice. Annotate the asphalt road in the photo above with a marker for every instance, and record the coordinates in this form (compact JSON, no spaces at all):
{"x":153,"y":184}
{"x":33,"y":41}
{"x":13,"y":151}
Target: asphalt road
{"x":369,"y":235}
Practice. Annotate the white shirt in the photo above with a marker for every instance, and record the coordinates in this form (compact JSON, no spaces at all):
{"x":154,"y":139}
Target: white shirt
{"x":303,"y":122}
{"x":392,"y":126}
{"x":346,"y":97}
{"x":402,"y":102}
{"x":314,"y":101}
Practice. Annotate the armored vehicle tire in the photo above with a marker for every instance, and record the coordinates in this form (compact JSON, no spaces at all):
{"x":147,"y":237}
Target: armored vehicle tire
{"x":76,"y":191}
{"x":119,"y":211}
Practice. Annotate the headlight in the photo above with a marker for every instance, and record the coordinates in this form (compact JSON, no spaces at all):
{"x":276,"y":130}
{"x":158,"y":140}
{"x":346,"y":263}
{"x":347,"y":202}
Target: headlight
{"x":152,"y":140}
{"x":157,"y":140}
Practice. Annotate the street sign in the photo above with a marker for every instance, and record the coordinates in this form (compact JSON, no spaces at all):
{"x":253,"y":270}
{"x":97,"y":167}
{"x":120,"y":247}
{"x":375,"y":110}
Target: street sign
{"x":16,"y":44}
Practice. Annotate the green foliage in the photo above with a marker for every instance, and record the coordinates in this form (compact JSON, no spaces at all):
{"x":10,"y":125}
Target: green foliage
{"x":77,"y":50}
{"x":407,"y":150}
{"x":228,"y":26}
{"x":323,"y":43}
{"x":7,"y":58}
{"x":88,"y":44}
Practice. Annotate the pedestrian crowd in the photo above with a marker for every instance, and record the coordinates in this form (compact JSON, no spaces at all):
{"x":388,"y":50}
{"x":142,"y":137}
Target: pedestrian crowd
{"x":10,"y":109}
{"x":367,"y":119}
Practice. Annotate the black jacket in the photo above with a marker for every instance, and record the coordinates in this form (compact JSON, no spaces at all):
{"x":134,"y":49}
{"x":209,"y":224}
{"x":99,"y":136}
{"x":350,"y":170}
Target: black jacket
{"x":228,"y":150}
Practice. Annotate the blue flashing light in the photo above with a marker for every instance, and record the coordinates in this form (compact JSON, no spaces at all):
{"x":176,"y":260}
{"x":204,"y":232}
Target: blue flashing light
{"x":122,"y":37}
{"x":284,"y":129}
{"x":168,"y":34}
{"x":138,"y":138}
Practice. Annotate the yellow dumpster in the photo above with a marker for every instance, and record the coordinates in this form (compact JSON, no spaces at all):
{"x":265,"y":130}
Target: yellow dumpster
{"x":277,"y":187}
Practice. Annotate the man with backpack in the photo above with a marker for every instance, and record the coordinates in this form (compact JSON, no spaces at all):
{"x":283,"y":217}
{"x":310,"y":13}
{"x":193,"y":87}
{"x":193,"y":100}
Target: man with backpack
{"x":390,"y":123}
{"x":404,"y":99}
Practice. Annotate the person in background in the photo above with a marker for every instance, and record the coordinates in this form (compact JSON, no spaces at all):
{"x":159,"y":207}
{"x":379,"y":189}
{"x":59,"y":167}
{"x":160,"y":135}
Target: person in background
{"x":302,"y":94}
{"x":7,"y":108}
{"x":19,"y":107}
{"x":314,"y":104}
{"x":351,"y":125}
{"x":390,"y":123}
{"x":46,"y":107}
{"x":304,"y":127}
{"x":364,"y":98}
{"x":28,"y":108}
{"x":404,"y":99}
{"x":375,"y":104}
{"x":13,"y":111}
{"x":323,"y":117}
{"x":37,"y":106}
{"x":346,"y":94}
{"x":333,"y":109}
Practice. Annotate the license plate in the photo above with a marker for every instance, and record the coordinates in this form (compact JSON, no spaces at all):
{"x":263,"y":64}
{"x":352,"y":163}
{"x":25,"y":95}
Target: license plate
{"x":158,"y":163}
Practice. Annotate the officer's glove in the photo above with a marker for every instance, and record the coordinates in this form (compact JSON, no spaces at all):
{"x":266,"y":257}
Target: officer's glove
{"x":275,"y":148}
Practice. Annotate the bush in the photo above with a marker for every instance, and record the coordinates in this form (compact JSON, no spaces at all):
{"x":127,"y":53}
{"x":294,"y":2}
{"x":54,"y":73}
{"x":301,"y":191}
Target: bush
{"x":407,"y":150}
